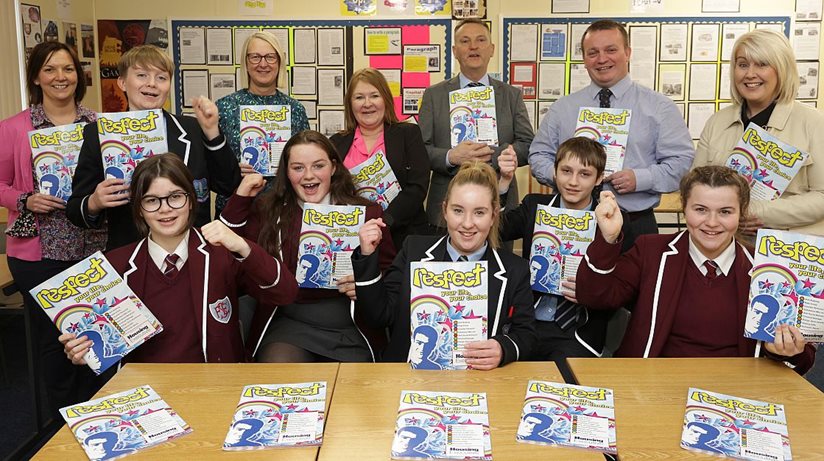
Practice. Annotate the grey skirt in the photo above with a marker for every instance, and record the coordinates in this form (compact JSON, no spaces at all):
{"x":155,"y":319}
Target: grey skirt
{"x":324,"y":327}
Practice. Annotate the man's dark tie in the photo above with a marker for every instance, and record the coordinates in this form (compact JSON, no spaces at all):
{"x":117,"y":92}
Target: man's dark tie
{"x":603,"y":97}
{"x":462,"y":259}
{"x":474,"y":84}
{"x":171,"y":265}
{"x":712,"y":269}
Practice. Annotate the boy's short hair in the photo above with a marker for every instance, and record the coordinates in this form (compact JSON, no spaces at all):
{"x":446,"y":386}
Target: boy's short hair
{"x":145,"y":55}
{"x":589,"y":152}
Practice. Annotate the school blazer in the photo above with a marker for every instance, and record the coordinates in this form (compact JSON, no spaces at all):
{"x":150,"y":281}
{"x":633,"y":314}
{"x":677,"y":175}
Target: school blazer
{"x":215,"y":274}
{"x":212,"y":164}
{"x":386,"y":299}
{"x":648,"y":280}
{"x":406,"y":155}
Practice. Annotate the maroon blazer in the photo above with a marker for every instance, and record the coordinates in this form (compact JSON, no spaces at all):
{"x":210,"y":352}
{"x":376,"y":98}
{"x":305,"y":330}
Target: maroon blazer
{"x":216,"y":273}
{"x":648,"y":280}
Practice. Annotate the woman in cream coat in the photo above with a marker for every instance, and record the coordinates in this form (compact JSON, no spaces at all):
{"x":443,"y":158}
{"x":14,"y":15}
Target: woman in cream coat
{"x":764,"y":83}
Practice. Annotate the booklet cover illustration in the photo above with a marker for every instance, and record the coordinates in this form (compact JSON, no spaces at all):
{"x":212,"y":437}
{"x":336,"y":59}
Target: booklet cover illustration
{"x":90,"y":299}
{"x":328,"y":236}
{"x":610,"y":127}
{"x":472,"y":115}
{"x":442,"y":425}
{"x":448,"y":310}
{"x":768,"y":163}
{"x":120,"y":424}
{"x":735,"y":427}
{"x":54,"y":154}
{"x":278,"y":415}
{"x":787,"y":285}
{"x":569,"y":415}
{"x":264,"y":131}
{"x":126,"y":138}
{"x":559,"y":243}
{"x":375,"y":180}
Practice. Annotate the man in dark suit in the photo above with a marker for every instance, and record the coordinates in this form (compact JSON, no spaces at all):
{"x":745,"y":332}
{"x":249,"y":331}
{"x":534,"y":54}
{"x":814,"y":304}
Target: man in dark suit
{"x":473,"y":49}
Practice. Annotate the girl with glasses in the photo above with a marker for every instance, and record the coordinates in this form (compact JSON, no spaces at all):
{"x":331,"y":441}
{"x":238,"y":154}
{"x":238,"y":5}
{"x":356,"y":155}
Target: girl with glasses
{"x":265,"y":67}
{"x":188,"y":277}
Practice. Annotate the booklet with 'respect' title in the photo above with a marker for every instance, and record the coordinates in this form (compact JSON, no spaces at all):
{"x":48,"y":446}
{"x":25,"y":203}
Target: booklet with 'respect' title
{"x":375,"y":180}
{"x":90,"y":299}
{"x":278,"y":415}
{"x":787,"y":285}
{"x":264,"y":131}
{"x":448,"y":310}
{"x":472,"y":115}
{"x":559,"y":243}
{"x":117,"y":425}
{"x":442,"y":425}
{"x":55,"y":152}
{"x":127,"y":138}
{"x":568,"y":415}
{"x":328,"y":236}
{"x":768,"y":163}
{"x":736,"y":427}
{"x":610,"y":127}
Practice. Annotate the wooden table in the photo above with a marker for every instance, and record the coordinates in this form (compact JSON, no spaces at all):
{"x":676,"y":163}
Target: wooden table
{"x":5,"y":274}
{"x":205,"y":396}
{"x":651,"y":397}
{"x":361,"y":422}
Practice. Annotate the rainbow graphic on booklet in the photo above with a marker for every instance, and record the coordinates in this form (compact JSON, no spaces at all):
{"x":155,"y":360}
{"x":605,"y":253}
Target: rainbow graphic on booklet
{"x":787,"y":285}
{"x":90,"y":299}
{"x":472,"y":116}
{"x":449,"y":308}
{"x":610,"y":127}
{"x":375,"y":180}
{"x":768,"y":163}
{"x":568,"y":415}
{"x":264,"y":131}
{"x":54,"y":155}
{"x":328,"y":236}
{"x":278,"y":415}
{"x":442,"y":425}
{"x":127,"y":138}
{"x":120,"y":424}
{"x":735,"y":427}
{"x":559,"y":243}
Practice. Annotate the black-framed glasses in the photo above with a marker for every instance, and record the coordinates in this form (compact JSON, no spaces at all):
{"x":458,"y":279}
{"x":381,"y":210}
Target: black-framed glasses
{"x":175,"y":200}
{"x":254,"y":58}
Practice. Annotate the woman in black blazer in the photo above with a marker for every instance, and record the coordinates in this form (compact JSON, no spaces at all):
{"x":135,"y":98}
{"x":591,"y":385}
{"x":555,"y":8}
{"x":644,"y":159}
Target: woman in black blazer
{"x":371,"y":125}
{"x":472,"y":211}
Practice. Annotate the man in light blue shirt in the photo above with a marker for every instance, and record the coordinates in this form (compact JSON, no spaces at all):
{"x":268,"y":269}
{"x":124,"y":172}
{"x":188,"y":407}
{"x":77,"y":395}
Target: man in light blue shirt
{"x":659,"y":150}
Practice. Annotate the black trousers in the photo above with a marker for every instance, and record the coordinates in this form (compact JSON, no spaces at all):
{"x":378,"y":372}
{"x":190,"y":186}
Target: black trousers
{"x":65,"y":382}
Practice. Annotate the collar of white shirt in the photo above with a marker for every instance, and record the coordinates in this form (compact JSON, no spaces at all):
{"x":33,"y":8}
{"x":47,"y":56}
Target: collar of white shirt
{"x":158,"y":254}
{"x":454,"y":253}
{"x":724,"y":260}
{"x":466,"y":81}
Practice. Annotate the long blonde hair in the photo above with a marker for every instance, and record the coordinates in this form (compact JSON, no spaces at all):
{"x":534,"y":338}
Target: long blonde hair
{"x":480,"y":174}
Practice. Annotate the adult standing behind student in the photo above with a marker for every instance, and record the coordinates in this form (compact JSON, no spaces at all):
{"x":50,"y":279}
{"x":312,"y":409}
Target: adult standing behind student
{"x":472,"y":213}
{"x":659,"y":149}
{"x":688,"y":292}
{"x":321,"y":325}
{"x":764,"y":84}
{"x":40,"y":240}
{"x":473,"y":49}
{"x":146,"y":78}
{"x":372,"y":126}
{"x":188,"y":277}
{"x":263,"y":63}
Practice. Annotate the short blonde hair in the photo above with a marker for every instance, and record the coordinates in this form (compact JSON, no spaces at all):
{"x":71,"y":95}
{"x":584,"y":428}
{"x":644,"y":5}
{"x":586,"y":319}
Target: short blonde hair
{"x":375,"y":78}
{"x":771,"y":48}
{"x":145,"y":56}
{"x":267,"y":37}
{"x":480,"y":174}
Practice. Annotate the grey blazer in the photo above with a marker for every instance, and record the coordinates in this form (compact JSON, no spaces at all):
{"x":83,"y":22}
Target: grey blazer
{"x":513,"y":128}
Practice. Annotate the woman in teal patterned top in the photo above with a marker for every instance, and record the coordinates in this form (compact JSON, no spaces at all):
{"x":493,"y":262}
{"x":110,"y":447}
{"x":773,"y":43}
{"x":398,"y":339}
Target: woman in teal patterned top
{"x":262,"y":61}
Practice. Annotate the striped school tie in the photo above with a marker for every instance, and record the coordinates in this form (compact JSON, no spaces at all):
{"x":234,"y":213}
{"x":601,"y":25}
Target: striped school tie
{"x":170,"y":270}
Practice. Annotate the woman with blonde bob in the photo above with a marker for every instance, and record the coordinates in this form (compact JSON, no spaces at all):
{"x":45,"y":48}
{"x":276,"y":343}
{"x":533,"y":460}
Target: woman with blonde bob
{"x":688,"y":292}
{"x":264,"y":67}
{"x":371,"y":127}
{"x":472,"y":214}
{"x":764,"y":83}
